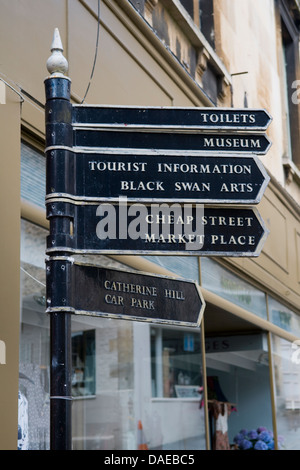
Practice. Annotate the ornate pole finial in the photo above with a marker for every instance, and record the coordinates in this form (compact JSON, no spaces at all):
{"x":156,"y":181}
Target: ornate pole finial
{"x":57,"y":64}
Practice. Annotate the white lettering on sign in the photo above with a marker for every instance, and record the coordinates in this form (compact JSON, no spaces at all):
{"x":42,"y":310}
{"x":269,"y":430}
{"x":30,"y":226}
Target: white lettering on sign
{"x":227,"y":118}
{"x":142,"y":186}
{"x":237,"y":187}
{"x":231,"y":142}
{"x":233,"y":240}
{"x":2,"y":352}
{"x":204,"y":168}
{"x":183,"y":186}
{"x":117,"y":166}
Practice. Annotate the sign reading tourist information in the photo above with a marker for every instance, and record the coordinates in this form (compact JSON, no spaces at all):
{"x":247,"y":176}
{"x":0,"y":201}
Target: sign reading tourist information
{"x":102,"y":292}
{"x":107,"y":176}
{"x":187,"y":229}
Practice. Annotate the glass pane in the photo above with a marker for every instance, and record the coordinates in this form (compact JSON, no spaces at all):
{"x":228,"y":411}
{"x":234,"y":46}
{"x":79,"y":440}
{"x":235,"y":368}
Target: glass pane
{"x":83,"y":364}
{"x":184,"y":266}
{"x":176,"y":382}
{"x":33,"y":169}
{"x":222,"y":282}
{"x":287,"y":389}
{"x":34,"y":403}
{"x":238,"y":390}
{"x":283,"y":317}
{"x":103,"y":387}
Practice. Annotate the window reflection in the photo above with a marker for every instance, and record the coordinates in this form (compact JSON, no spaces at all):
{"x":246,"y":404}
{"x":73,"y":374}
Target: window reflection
{"x":287,"y":389}
{"x":83,"y":364}
{"x":237,"y":378}
{"x":224,"y":283}
{"x":34,"y":371}
{"x":176,"y":380}
{"x":176,"y":363}
{"x":283,"y":317}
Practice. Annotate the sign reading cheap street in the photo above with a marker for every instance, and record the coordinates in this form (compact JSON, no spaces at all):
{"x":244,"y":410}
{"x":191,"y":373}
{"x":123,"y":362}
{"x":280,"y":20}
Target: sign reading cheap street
{"x":163,"y":229}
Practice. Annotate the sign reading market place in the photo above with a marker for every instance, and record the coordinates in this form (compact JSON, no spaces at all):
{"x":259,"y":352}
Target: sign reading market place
{"x":107,"y":176}
{"x":184,"y":229}
{"x":101,"y":292}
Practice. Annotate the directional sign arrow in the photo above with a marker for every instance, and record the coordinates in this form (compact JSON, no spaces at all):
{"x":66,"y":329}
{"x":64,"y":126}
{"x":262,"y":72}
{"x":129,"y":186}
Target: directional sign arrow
{"x":97,"y":291}
{"x":185,"y":118}
{"x":108,"y":228}
{"x":161,"y":178}
{"x":142,"y":139}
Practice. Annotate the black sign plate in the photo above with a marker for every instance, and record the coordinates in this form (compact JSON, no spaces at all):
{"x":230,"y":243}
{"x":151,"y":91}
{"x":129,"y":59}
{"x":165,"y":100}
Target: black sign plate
{"x":108,"y":228}
{"x":161,"y":178}
{"x":141,"y":139}
{"x":97,"y":291}
{"x":183,"y":118}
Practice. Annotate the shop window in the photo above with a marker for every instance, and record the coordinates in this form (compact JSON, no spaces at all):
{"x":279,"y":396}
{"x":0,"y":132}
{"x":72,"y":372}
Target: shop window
{"x":283,"y":317}
{"x":103,"y":409}
{"x":287,"y":392}
{"x":238,"y":385}
{"x":187,"y":267}
{"x":83,"y":364}
{"x":33,"y":175}
{"x":34,"y":365}
{"x":224,"y":283}
{"x":176,"y":363}
{"x":176,"y":406}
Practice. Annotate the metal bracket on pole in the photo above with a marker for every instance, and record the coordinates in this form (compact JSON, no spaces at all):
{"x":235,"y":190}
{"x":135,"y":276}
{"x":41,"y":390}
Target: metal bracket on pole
{"x":58,"y":117}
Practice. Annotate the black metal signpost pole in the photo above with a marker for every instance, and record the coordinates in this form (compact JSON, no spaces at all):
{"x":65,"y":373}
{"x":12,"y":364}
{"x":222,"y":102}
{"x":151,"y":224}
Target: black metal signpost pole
{"x":59,"y":132}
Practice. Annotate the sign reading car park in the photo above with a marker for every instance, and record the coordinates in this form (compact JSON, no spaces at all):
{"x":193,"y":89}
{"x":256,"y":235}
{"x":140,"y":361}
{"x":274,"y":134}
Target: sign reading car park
{"x":107,"y":176}
{"x":102,"y":292}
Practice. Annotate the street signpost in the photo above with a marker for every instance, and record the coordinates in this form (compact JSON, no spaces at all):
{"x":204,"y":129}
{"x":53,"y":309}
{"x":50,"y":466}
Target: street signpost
{"x":110,"y":293}
{"x":108,"y":168}
{"x":107,"y":176}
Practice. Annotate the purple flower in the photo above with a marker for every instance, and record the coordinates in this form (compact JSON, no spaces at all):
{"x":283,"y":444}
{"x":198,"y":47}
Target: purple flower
{"x":245,"y":444}
{"x":265,"y":436}
{"x":260,"y":445}
{"x":252,"y":434}
{"x":238,"y":438}
{"x":261,"y":429}
{"x":271,"y":445}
